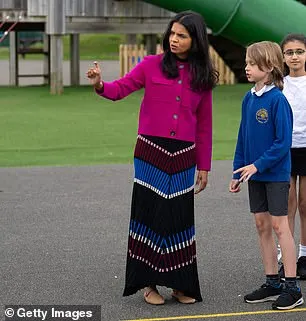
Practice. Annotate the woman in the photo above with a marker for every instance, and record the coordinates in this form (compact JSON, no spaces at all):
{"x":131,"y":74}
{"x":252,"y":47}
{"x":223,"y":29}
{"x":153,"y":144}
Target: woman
{"x":174,"y":137}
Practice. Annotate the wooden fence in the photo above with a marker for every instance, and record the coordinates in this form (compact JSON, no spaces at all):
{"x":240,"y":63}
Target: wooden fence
{"x":130,"y":55}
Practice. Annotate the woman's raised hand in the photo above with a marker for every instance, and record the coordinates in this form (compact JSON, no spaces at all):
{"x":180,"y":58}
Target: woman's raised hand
{"x":94,"y":76}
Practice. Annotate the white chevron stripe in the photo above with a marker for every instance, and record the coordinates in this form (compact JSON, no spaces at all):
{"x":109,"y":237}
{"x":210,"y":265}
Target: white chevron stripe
{"x":157,"y":191}
{"x":154,"y":267}
{"x":165,"y":151}
{"x":169,"y":249}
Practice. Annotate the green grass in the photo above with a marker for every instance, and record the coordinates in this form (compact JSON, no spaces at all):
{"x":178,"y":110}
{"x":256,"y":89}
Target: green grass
{"x":92,"y":47}
{"x":79,"y":127}
{"x":226,"y":118}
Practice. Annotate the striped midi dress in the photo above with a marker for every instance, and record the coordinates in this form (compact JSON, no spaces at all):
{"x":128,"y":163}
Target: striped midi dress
{"x":161,"y":243}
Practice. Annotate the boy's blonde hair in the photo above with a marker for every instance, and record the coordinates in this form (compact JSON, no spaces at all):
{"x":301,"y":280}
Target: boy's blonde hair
{"x":268,"y":56}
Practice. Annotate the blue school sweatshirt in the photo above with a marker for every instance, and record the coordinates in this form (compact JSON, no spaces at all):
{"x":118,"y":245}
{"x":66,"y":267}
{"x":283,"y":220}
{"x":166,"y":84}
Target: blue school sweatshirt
{"x":265,"y":136}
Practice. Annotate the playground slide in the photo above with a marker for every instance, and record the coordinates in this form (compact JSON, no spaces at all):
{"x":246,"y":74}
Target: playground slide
{"x":245,"y":21}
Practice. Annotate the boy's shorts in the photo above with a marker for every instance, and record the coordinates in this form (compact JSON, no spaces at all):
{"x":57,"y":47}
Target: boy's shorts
{"x":269,"y":197}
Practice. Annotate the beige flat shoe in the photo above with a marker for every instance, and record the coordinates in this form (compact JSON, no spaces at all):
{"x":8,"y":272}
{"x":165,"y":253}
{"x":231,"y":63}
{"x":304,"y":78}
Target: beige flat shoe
{"x":181,"y":298}
{"x":152,"y":296}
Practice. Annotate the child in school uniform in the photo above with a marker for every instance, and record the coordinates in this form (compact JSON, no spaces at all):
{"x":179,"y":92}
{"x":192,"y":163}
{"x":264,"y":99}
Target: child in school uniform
{"x":262,"y":159}
{"x":294,"y":50}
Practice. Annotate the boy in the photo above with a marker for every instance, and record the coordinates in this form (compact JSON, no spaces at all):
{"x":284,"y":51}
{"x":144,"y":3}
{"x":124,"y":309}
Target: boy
{"x":262,"y":158}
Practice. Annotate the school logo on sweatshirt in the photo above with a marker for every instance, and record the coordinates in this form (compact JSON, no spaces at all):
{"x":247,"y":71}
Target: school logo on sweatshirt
{"x":262,"y":116}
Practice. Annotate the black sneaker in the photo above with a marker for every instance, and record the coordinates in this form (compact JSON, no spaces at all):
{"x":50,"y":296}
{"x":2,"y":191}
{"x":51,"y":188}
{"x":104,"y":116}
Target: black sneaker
{"x":265,"y":293}
{"x":301,"y":268}
{"x":289,"y":299}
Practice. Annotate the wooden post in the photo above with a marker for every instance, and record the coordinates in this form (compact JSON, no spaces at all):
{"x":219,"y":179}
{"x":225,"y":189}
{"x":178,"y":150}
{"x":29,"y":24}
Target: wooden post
{"x":125,"y":59}
{"x":56,"y":27}
{"x":141,"y":51}
{"x":121,"y":60}
{"x":159,"y":49}
{"x":75,"y":59}
{"x":56,"y":76}
{"x":13,"y":62}
{"x":46,"y":59}
{"x":130,"y":53}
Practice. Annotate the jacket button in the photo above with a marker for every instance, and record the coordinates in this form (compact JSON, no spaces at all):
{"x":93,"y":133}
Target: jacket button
{"x":178,"y":98}
{"x":181,"y":66}
{"x":172,"y":133}
{"x":179,"y":82}
{"x":175,"y":116}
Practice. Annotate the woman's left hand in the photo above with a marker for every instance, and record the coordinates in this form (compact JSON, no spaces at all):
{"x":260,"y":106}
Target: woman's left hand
{"x":201,"y":182}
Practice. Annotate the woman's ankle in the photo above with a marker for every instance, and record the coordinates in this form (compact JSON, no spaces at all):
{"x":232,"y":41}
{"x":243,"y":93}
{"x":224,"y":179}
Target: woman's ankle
{"x":150,"y":288}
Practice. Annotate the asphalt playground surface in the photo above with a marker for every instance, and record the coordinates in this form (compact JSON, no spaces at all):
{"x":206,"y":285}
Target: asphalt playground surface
{"x":63,"y":240}
{"x":63,"y":234}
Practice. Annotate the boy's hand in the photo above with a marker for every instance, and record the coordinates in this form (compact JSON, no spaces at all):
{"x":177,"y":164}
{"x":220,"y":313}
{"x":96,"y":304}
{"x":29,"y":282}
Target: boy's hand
{"x":246,"y":172}
{"x":234,"y":186}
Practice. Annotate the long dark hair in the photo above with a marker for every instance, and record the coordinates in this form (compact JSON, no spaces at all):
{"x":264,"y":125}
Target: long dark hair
{"x":203,"y":74}
{"x":292,"y":37}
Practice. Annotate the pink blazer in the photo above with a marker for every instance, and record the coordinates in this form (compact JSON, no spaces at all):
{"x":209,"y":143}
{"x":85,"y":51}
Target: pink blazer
{"x":169,"y":107}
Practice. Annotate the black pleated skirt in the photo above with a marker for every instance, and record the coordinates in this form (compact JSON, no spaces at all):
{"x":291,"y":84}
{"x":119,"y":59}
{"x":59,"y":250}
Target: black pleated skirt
{"x":161,"y":244}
